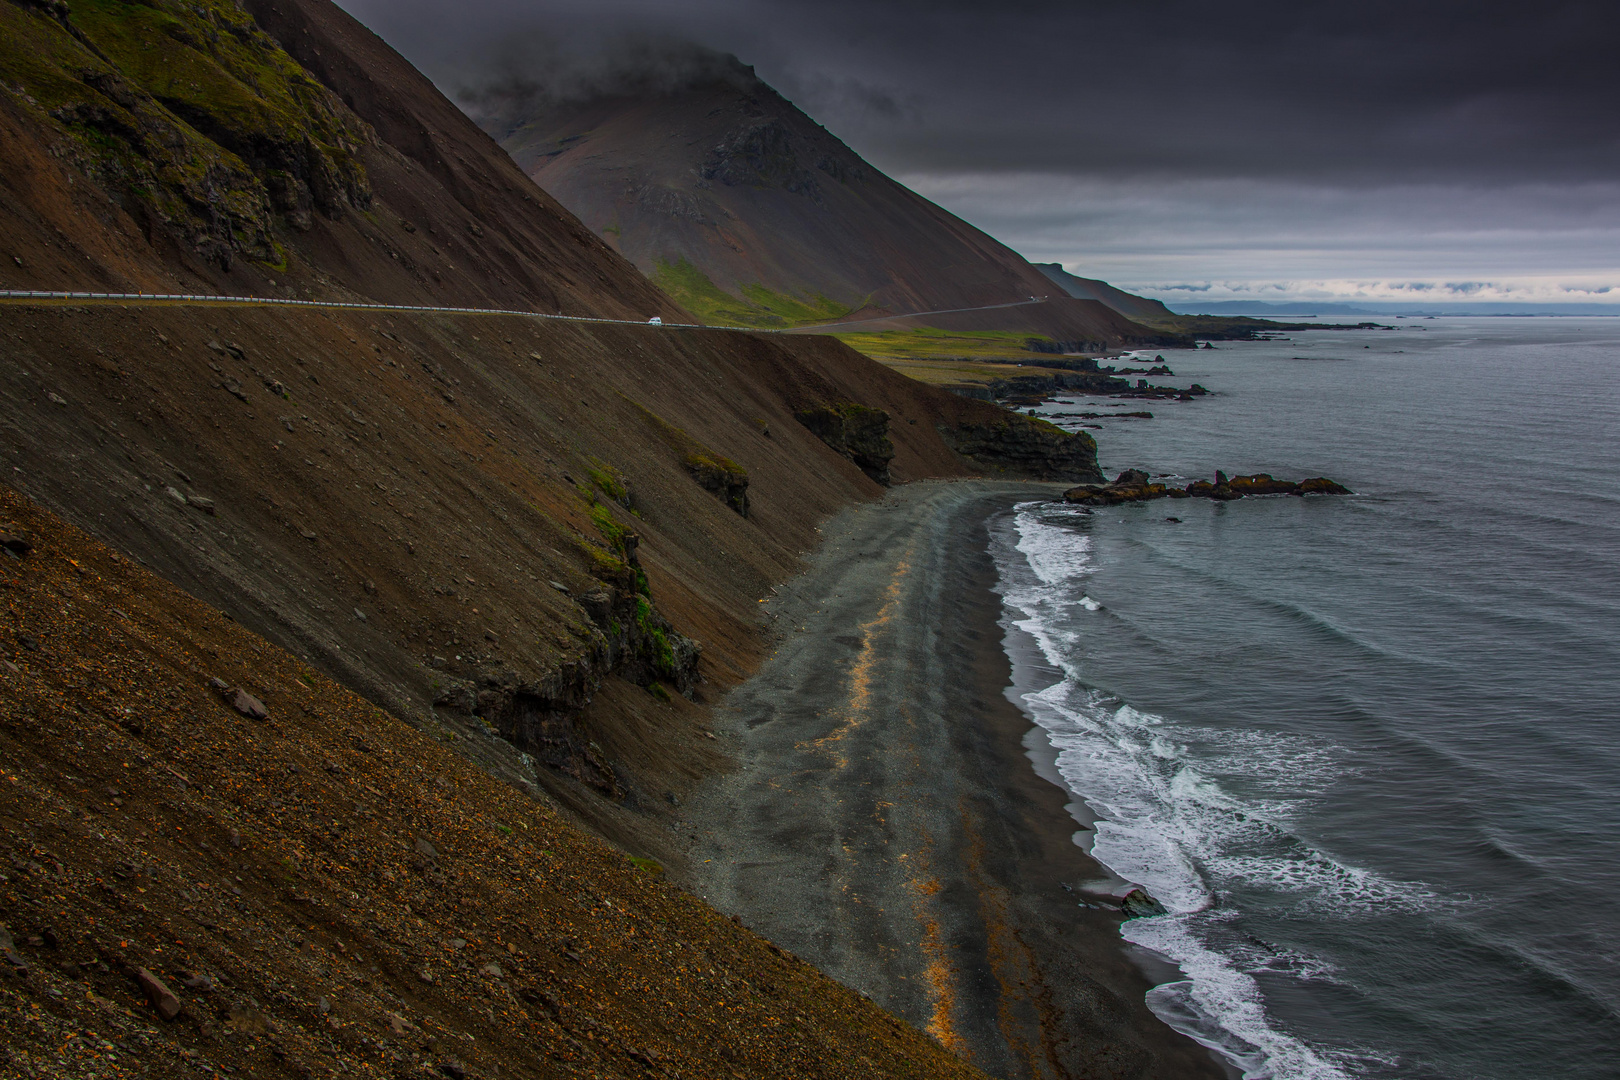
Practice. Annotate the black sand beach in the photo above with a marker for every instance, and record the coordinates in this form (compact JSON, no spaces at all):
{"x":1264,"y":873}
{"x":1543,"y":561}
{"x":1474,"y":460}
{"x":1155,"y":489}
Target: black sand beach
{"x":886,"y":822}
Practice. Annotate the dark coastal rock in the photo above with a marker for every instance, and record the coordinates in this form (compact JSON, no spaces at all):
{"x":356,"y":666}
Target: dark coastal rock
{"x":858,"y":432}
{"x":1139,"y":905}
{"x":1320,"y":485}
{"x":723,"y":478}
{"x":1261,"y":484}
{"x":1025,"y":446}
{"x":1133,"y":485}
{"x":1042,"y":383}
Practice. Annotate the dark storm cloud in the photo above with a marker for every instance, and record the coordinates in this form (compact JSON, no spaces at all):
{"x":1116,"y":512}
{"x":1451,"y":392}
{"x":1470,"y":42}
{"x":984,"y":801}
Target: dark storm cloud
{"x":529,"y":69}
{"x":1234,"y":149}
{"x":1369,"y":89}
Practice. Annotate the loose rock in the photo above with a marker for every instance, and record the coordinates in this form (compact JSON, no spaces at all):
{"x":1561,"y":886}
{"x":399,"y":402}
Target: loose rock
{"x":1139,"y":905}
{"x":161,"y":997}
{"x":242,"y":701}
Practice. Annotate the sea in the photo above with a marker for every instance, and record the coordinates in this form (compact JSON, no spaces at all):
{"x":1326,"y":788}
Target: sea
{"x":1365,"y":749}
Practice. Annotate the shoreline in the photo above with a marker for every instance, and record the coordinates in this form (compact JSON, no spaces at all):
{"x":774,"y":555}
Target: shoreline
{"x":887,"y":821}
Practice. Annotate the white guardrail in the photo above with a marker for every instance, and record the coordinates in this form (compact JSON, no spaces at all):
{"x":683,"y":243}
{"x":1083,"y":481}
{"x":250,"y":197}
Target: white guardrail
{"x":271,"y":301}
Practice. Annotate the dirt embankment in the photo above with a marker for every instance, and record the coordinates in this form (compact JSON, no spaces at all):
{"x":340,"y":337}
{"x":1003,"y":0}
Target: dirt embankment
{"x":188,"y":889}
{"x":431,"y":509}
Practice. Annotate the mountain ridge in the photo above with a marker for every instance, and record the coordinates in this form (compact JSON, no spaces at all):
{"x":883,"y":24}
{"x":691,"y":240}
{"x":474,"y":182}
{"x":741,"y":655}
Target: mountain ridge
{"x":725,"y":187}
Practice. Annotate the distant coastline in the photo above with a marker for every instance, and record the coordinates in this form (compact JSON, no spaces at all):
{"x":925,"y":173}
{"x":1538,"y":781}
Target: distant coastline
{"x":1305,"y":309}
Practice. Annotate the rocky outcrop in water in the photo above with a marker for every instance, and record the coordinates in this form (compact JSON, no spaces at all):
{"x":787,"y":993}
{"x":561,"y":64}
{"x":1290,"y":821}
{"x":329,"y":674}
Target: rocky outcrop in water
{"x":858,"y":432}
{"x":1024,"y":446}
{"x":1041,"y":385}
{"x":1133,"y":485}
{"x":1137,"y":904}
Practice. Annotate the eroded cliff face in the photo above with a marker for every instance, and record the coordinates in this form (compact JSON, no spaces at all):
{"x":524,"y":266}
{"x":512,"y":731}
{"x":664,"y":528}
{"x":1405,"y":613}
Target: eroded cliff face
{"x":1023,"y":446}
{"x":857,"y":432}
{"x":997,"y":442}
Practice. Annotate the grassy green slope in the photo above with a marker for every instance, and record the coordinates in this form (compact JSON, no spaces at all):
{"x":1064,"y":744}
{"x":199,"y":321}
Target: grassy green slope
{"x":759,"y":306}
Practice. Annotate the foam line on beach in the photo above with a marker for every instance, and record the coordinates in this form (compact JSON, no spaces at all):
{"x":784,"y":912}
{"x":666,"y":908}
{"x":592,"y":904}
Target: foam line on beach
{"x":1164,"y":819}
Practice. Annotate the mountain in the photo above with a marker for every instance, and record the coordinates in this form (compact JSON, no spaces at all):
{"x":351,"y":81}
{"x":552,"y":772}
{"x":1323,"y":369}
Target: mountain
{"x":147,"y":153}
{"x":380,"y":464}
{"x":747,"y":211}
{"x":1139,"y":308}
{"x":469,"y":582}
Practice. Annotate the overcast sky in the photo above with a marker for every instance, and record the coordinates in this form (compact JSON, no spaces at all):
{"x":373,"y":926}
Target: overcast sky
{"x":1238,"y":150}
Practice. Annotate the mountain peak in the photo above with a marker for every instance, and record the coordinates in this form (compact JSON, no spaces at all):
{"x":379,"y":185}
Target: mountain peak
{"x":723,"y":188}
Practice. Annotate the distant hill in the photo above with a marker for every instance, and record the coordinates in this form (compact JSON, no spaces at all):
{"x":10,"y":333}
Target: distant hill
{"x":1139,"y":308}
{"x":1257,"y":307}
{"x":746,"y":210}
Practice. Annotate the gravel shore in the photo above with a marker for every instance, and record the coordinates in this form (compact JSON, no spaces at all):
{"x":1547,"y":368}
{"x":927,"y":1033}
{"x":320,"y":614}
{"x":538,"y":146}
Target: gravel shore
{"x":886,"y":822}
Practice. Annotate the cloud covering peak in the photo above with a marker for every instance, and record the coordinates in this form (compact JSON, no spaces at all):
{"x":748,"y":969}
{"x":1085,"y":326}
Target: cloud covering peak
{"x":1040,"y":120}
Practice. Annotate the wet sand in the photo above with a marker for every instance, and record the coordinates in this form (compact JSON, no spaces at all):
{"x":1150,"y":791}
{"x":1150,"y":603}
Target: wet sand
{"x":887,"y":823}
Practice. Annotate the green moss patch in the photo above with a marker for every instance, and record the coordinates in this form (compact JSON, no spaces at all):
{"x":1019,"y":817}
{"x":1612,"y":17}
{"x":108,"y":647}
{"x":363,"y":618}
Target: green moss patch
{"x":759,"y":306}
{"x":190,"y":115}
{"x":929,"y":343}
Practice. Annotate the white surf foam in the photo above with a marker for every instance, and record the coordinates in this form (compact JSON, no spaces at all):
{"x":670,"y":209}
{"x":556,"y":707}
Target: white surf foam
{"x":1169,"y":821}
{"x":1222,"y":1007}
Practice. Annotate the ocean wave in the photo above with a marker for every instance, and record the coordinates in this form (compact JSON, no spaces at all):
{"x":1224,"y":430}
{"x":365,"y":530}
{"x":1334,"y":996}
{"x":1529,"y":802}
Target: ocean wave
{"x":1193,"y":814}
{"x":1222,"y":1007}
{"x":1055,"y":553}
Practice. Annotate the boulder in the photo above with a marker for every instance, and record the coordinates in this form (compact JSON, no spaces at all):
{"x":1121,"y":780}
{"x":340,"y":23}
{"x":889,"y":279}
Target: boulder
{"x":1139,"y":905}
{"x":161,"y":997}
{"x":240,"y":700}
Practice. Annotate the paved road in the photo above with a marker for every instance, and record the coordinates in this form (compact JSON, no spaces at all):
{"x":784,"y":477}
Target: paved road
{"x":36,"y":296}
{"x":40,"y":296}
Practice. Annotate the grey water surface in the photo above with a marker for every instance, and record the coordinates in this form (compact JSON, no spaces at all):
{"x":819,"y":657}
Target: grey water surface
{"x":1366,"y":750}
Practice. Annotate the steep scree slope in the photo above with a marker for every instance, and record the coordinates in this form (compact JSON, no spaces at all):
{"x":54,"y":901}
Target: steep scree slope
{"x":180,"y":147}
{"x":324,"y":891}
{"x":448,"y":513}
{"x":530,"y":541}
{"x":489,"y":526}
